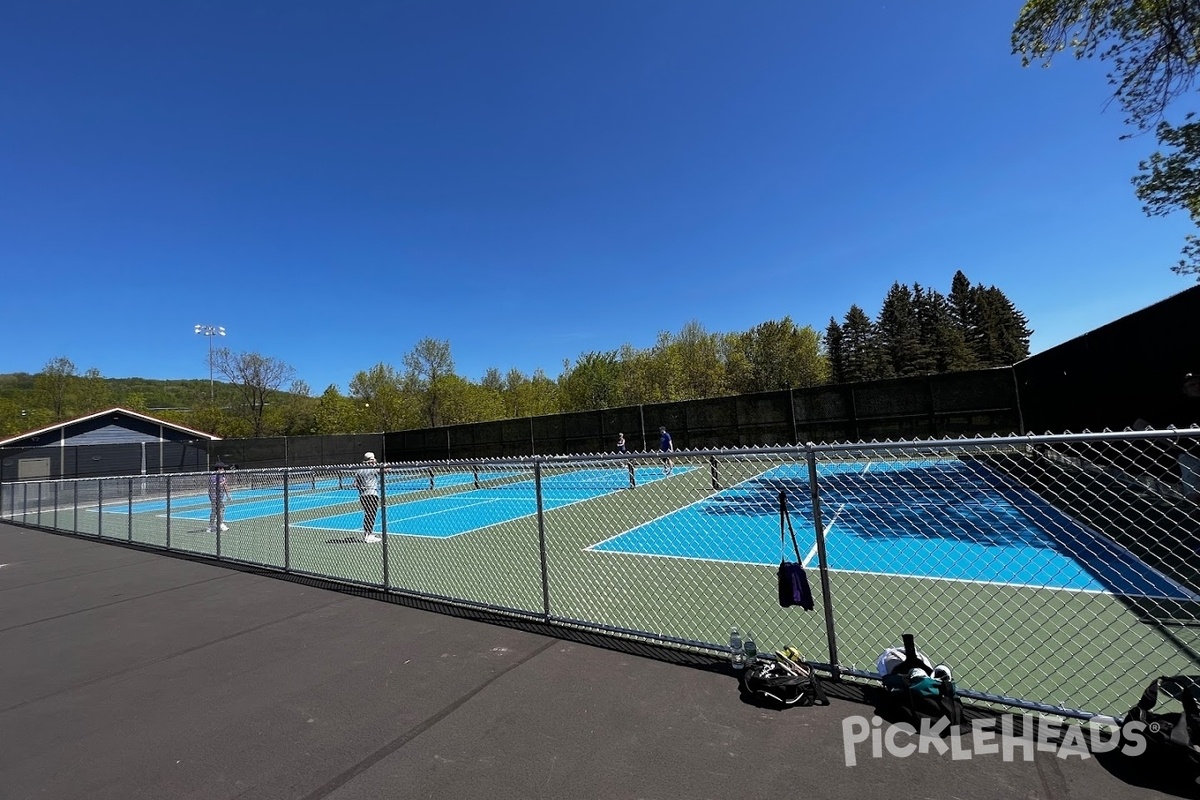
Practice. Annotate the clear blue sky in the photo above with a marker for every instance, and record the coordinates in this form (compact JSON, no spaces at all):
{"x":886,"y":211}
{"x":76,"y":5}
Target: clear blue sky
{"x":332,"y":182}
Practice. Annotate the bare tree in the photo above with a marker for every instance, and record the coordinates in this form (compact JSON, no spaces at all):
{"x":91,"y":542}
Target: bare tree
{"x":254,"y":377}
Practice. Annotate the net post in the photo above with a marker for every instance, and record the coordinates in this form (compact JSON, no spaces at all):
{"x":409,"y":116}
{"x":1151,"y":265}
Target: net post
{"x":169,"y":481}
{"x":541,"y":524}
{"x":129,"y":536}
{"x":713,"y":473}
{"x":431,"y":478}
{"x":632,"y":475}
{"x":220,"y":501}
{"x":475,"y":474}
{"x":819,"y":530}
{"x":383,"y":548}
{"x":287,"y":521}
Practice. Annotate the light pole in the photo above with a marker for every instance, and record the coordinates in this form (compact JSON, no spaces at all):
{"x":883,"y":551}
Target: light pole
{"x":210,"y":331}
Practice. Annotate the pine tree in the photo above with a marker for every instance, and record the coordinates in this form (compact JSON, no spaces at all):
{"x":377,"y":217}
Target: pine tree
{"x":834,"y":350}
{"x":860,"y":347}
{"x":899,"y":331}
{"x":945,"y":347}
{"x":1001,"y":332}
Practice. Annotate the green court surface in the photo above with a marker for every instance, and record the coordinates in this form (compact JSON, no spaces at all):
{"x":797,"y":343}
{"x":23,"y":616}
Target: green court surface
{"x":1053,"y":646}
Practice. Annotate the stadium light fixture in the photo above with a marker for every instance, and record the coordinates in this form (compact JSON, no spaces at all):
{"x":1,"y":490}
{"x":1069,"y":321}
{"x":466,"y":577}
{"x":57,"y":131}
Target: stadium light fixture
{"x":210,"y":331}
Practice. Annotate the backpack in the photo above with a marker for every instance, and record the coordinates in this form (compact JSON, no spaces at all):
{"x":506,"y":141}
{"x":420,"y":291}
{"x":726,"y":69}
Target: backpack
{"x":783,"y":681}
{"x":1174,"y":737}
{"x":912,"y":693}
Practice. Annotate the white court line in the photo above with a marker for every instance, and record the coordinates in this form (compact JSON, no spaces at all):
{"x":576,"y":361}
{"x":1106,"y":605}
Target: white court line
{"x":813,"y":553}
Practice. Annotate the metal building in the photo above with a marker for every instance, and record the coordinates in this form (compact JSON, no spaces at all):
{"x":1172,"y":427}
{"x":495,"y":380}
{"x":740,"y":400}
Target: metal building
{"x":113,"y":442}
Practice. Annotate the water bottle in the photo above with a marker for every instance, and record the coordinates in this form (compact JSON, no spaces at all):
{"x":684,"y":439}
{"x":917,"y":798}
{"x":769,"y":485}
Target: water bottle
{"x":751,"y":650}
{"x":737,"y":653}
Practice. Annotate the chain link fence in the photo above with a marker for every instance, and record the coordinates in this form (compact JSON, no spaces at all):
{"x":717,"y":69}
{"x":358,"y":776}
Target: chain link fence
{"x":1054,"y":573}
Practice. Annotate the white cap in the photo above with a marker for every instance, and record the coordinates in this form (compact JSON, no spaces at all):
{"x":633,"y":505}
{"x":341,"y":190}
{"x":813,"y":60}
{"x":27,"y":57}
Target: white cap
{"x":368,"y":456}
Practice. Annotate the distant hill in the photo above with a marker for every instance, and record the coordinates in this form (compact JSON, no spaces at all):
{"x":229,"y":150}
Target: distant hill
{"x":87,"y":395}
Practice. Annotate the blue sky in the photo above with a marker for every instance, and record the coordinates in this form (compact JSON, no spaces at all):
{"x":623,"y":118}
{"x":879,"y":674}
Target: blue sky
{"x":530,"y":181}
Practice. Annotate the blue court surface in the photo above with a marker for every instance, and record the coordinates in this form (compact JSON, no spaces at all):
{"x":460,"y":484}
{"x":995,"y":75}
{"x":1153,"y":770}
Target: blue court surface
{"x":255,"y":503}
{"x":247,"y":504}
{"x":451,"y":515}
{"x":950,"y":520}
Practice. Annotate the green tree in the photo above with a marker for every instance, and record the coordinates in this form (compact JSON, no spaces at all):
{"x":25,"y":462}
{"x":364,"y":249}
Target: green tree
{"x":464,"y":401}
{"x":11,"y":421}
{"x":1000,"y":333}
{"x":336,"y":413}
{"x":95,"y":393}
{"x":493,"y":380}
{"x":592,"y":383}
{"x":962,"y":304}
{"x":1153,"y":50}
{"x":701,"y":368}
{"x":55,"y":384}
{"x":638,"y":384}
{"x":861,"y":355}
{"x":944,"y":347}
{"x":383,"y":400}
{"x":135,"y":401}
{"x":664,"y":376}
{"x":1169,"y":181}
{"x":776,"y":355}
{"x":900,"y":341}
{"x":296,"y":412}
{"x":835,"y":351}
{"x":427,"y":364}
{"x":543,"y":394}
{"x":516,"y":399}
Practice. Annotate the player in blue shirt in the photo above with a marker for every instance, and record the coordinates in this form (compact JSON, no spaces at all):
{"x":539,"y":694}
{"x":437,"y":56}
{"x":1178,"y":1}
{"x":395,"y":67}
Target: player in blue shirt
{"x":666,"y":446}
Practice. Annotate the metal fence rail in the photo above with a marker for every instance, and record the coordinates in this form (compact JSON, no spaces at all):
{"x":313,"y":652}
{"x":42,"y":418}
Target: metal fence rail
{"x":1055,"y":573}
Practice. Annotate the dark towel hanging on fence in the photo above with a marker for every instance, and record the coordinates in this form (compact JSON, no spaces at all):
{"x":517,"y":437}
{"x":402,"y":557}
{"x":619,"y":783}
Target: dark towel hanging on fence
{"x":793,"y":581}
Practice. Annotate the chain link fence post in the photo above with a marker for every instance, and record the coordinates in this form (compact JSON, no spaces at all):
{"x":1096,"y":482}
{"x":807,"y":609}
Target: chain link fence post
{"x":819,"y":532}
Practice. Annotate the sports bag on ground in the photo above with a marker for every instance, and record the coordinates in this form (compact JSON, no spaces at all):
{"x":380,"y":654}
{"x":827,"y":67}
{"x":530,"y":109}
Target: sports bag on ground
{"x":782,"y":681}
{"x":914,"y":690}
{"x":1173,"y":736}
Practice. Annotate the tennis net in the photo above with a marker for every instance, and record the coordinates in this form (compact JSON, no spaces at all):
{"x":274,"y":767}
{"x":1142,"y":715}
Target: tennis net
{"x":583,"y":480}
{"x":396,"y":480}
{"x":298,"y":480}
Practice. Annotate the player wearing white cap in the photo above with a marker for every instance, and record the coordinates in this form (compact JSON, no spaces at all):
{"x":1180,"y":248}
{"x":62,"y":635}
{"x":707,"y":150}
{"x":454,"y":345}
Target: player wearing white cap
{"x":366,"y":480}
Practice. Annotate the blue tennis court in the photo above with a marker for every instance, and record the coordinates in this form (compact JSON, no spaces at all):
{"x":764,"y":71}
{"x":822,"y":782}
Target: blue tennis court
{"x":945,"y":519}
{"x":502,"y":501}
{"x":254,"y":503}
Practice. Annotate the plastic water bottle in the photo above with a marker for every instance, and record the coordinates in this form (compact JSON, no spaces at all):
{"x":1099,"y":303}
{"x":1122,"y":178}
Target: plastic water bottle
{"x":737,"y":653}
{"x":751,"y":650}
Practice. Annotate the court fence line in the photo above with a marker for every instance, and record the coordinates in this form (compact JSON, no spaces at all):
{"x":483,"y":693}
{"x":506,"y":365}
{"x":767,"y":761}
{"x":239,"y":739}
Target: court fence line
{"x":1053,"y":573}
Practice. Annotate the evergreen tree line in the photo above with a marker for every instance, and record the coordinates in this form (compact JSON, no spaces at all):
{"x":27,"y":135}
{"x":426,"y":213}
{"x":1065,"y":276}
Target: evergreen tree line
{"x":920,"y":331}
{"x":917,"y":331}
